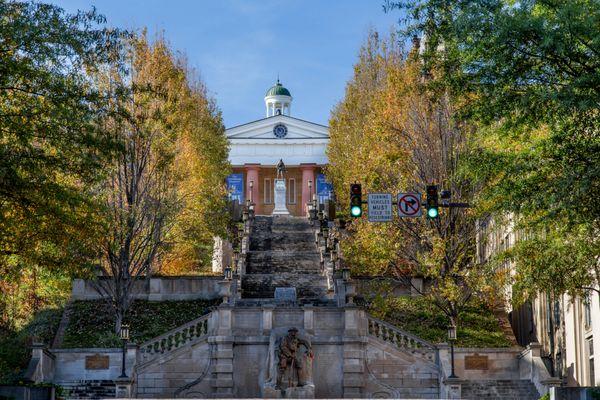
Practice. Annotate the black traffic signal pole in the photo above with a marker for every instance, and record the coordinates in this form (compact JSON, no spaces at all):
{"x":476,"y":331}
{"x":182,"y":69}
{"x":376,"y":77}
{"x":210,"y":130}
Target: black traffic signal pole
{"x":453,"y":205}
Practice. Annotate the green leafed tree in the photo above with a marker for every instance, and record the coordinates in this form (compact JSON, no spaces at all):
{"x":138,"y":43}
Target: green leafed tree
{"x":530,"y":71}
{"x":51,"y":149}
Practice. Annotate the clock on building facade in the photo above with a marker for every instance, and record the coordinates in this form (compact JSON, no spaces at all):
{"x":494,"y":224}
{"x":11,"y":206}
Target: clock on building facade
{"x":280,"y":130}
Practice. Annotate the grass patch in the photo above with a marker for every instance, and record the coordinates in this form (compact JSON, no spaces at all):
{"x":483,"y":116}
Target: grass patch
{"x":477,"y":326}
{"x":15,"y":345}
{"x":92,"y":322}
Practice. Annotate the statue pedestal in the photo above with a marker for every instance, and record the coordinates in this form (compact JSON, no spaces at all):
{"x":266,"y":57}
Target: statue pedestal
{"x":280,"y":208}
{"x":299,"y":392}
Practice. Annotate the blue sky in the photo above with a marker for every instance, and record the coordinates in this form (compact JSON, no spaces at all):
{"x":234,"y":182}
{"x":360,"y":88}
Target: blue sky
{"x":239,"y":46}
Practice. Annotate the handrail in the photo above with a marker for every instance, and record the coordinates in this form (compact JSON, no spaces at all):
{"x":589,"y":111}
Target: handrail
{"x":402,"y":340}
{"x":175,"y":338}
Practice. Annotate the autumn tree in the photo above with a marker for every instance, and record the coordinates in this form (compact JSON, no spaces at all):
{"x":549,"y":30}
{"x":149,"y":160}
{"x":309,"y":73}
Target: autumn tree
{"x":393,"y":135}
{"x":51,"y":151}
{"x":168,"y":178}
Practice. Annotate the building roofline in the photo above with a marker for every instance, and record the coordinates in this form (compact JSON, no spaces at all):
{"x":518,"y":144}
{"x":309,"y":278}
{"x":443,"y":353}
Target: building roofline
{"x":274,"y":116}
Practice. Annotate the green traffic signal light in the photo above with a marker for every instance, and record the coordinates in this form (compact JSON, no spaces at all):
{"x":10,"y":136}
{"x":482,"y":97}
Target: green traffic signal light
{"x":432,"y":212}
{"x":432,"y":202}
{"x":355,"y":200}
{"x":356,"y":211}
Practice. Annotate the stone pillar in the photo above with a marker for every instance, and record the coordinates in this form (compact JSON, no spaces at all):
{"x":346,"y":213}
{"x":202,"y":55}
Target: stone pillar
{"x":308,"y":174}
{"x":222,"y":355}
{"x":355,"y":341}
{"x":223,"y":366}
{"x":78,"y":291}
{"x":309,"y":319}
{"x":267,"y":319}
{"x":252,"y":175}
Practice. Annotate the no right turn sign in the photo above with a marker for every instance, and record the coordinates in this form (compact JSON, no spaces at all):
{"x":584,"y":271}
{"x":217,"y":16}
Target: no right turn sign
{"x":409,"y":205}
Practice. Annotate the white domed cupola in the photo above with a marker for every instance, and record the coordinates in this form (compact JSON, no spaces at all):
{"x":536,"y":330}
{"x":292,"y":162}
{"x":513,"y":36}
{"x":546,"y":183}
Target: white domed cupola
{"x":278,"y":100}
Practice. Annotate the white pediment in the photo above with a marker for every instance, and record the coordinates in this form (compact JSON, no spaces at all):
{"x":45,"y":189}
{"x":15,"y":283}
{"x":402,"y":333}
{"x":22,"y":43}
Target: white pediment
{"x":297,"y":129}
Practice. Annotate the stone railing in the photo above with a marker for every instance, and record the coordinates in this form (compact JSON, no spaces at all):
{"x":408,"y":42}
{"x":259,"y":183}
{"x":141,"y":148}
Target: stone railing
{"x":176,"y":338}
{"x":400,"y":339}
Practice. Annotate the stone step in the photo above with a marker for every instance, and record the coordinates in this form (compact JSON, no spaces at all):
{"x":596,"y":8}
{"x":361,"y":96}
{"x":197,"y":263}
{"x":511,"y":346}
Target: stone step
{"x":295,"y":241}
{"x":505,"y":389}
{"x":263,"y":285}
{"x":264,"y":262}
{"x":290,"y":224}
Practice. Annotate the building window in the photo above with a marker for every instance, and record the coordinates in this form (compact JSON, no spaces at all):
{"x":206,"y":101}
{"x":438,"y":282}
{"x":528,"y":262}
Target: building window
{"x":557,"y":314}
{"x":291,"y":191}
{"x":268,"y":192}
{"x":590,"y":351}
{"x":587,"y":311}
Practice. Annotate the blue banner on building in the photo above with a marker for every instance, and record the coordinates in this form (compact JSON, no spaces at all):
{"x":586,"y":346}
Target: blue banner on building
{"x":324,"y":189}
{"x":235,"y":187}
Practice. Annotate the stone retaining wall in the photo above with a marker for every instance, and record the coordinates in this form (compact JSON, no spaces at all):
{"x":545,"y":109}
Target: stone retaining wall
{"x":101,"y":364}
{"x":157,"y":289}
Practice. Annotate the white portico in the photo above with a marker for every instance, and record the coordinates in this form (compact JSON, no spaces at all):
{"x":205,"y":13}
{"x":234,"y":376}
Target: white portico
{"x":256,"y":148}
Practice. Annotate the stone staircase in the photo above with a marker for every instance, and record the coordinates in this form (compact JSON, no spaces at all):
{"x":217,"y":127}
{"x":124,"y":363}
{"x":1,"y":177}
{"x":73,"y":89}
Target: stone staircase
{"x":516,"y":389}
{"x":283,"y":254}
{"x":89,"y":389}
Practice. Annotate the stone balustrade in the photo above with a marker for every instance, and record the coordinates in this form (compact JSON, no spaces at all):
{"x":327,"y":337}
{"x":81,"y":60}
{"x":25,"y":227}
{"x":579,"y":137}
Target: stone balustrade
{"x":400,"y":339}
{"x":190,"y":332}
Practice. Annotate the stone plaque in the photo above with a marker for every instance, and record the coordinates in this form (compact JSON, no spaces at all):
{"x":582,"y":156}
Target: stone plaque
{"x":285,"y":294}
{"x":476,"y":362}
{"x":96,"y":361}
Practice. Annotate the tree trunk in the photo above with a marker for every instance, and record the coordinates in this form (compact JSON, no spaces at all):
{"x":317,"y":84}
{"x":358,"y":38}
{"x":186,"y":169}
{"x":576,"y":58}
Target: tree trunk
{"x":118,"y":321}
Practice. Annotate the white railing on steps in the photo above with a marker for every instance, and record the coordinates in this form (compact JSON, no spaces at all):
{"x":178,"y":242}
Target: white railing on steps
{"x":402,"y":340}
{"x":175,"y":338}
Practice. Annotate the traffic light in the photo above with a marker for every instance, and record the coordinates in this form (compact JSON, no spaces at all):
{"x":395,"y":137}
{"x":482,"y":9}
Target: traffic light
{"x":432,"y":202}
{"x":355,"y":200}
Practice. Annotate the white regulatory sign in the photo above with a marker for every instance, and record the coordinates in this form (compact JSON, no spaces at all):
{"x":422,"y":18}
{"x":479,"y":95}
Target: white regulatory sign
{"x":380,"y":207}
{"x":409,"y":205}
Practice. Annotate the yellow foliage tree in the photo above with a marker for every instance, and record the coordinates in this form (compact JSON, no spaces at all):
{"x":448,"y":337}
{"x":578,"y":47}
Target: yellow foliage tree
{"x":392,"y":135}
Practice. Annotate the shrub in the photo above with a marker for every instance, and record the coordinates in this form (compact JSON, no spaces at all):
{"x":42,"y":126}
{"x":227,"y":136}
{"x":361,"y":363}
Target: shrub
{"x":477,"y":326}
{"x":92,"y":323}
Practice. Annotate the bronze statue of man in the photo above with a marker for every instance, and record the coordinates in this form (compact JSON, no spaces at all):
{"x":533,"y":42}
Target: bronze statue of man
{"x":290,"y":361}
{"x":280,"y":169}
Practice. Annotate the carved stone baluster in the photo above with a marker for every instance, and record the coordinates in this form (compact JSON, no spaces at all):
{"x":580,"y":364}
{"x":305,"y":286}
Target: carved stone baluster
{"x":184,"y":336}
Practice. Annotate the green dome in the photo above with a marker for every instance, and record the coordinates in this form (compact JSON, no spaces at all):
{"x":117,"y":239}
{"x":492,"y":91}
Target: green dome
{"x":278,"y":90}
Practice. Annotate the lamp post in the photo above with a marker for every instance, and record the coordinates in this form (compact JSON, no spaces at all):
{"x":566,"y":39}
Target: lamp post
{"x":333,"y":256}
{"x":346,"y":274}
{"x":124,"y":334}
{"x":310,"y":208}
{"x":251,"y":192}
{"x":451,"y":339}
{"x":235,"y":259}
{"x":228,"y":273}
